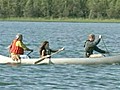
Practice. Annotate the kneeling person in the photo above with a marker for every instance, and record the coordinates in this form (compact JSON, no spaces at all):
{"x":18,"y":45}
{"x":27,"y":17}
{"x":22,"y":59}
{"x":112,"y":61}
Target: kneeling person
{"x":91,"y":45}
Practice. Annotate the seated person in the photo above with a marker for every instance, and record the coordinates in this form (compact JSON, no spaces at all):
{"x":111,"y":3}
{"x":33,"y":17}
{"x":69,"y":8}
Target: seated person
{"x":45,"y":51}
{"x":17,"y":47}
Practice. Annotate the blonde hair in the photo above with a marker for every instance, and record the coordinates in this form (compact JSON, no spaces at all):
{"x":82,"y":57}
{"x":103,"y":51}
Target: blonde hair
{"x":19,"y":36}
{"x":91,"y":35}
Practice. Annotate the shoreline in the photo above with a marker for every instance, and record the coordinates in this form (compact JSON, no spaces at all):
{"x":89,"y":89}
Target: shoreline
{"x":76,"y":20}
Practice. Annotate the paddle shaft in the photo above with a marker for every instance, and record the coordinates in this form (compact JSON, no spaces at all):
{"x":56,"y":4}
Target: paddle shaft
{"x":29,"y":54}
{"x":47,"y":57}
{"x":105,"y":45}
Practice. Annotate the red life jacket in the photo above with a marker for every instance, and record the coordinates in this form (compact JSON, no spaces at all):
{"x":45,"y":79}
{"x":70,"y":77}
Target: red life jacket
{"x":16,"y":49}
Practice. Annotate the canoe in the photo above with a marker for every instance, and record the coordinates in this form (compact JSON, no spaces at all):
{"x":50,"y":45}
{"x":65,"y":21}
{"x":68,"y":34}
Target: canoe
{"x":83,"y":61}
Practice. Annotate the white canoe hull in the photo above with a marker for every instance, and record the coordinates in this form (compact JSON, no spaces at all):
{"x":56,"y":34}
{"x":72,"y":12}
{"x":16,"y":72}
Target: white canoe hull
{"x":84,"y":61}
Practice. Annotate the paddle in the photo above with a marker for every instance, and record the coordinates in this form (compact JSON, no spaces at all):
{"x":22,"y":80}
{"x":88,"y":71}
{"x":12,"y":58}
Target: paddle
{"x":105,"y":46}
{"x":49,"y":55}
{"x":29,"y":54}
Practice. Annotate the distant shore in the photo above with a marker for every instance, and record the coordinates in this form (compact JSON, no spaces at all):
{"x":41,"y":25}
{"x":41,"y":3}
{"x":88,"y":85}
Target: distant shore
{"x":62,"y":20}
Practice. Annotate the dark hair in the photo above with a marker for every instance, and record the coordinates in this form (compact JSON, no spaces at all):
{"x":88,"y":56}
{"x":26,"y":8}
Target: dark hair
{"x":42,"y":47}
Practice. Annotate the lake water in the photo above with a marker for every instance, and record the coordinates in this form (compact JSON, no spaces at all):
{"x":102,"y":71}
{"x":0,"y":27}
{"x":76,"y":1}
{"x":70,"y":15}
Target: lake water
{"x":60,"y":77}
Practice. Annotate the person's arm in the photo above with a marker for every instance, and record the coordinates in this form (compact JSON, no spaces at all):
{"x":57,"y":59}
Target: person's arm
{"x":92,"y":44}
{"x":99,"y":50}
{"x":22,"y":45}
{"x":61,"y":49}
{"x":53,"y":50}
{"x":98,"y":40}
{"x":43,"y":53}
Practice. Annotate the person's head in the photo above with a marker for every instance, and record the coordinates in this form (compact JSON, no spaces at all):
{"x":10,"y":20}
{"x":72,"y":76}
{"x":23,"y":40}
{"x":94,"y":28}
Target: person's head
{"x":45,"y":45}
{"x":19,"y":36}
{"x":91,"y":37}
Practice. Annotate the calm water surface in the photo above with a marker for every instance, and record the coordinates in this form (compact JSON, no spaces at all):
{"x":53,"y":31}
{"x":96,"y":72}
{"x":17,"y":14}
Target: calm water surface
{"x":59,"y":77}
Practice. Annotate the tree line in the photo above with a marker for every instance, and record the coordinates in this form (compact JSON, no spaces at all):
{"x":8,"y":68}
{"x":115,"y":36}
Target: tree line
{"x":60,"y":8}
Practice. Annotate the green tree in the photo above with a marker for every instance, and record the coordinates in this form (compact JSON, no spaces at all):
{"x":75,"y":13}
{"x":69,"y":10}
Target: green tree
{"x":19,"y":7}
{"x":97,"y":8}
{"x":4,"y":10}
{"x":60,"y":8}
{"x":117,"y":9}
{"x":29,"y":9}
{"x":111,"y":13}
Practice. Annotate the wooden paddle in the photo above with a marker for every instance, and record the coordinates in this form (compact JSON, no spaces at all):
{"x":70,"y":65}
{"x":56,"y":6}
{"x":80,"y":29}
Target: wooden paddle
{"x":49,"y":55}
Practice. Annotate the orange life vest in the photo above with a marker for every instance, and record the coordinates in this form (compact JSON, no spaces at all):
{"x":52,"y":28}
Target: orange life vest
{"x":16,"y":49}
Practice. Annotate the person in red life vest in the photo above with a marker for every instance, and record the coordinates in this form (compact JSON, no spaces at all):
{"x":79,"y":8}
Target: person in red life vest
{"x":17,"y":47}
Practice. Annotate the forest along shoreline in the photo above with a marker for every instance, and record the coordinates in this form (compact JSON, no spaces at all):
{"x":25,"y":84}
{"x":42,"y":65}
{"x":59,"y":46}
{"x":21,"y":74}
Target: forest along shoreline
{"x":61,"y":20}
{"x":60,"y":10}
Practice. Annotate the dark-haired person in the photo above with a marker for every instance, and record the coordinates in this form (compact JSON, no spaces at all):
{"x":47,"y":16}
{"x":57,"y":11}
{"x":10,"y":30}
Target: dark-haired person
{"x":91,"y":45}
{"x":17,"y":47}
{"x":45,"y":50}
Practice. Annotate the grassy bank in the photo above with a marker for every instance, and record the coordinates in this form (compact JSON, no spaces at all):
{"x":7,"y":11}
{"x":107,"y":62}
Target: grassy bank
{"x":61,"y":20}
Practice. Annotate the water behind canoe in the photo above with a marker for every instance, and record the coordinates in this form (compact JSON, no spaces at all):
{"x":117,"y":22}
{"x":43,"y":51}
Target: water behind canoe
{"x":59,"y":77}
